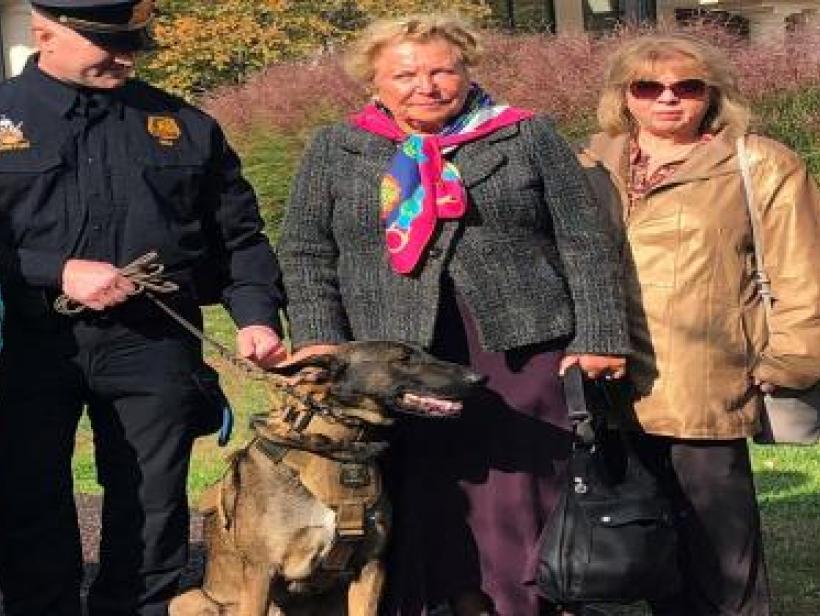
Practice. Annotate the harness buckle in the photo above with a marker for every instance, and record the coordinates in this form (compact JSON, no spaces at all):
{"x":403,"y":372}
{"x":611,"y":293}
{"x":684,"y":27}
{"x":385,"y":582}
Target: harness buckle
{"x":354,"y":475}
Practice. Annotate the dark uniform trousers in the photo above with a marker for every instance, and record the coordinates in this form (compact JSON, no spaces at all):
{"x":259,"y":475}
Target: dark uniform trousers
{"x":143,"y":405}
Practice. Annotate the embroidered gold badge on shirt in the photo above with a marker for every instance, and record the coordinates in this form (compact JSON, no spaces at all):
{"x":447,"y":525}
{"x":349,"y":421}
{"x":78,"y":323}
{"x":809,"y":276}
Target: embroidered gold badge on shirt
{"x":11,"y":135}
{"x":165,"y":129}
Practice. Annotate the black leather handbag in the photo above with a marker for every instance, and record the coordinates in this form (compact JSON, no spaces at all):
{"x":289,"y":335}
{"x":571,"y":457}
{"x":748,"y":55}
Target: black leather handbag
{"x":611,"y":538}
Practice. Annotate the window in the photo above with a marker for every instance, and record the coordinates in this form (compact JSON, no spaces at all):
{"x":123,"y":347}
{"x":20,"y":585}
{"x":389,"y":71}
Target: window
{"x":601,"y":14}
{"x":732,"y":23}
{"x":533,"y":15}
{"x":605,"y":14}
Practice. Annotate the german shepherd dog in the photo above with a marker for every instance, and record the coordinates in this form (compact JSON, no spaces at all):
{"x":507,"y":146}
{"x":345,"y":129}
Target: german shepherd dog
{"x":298,"y":522}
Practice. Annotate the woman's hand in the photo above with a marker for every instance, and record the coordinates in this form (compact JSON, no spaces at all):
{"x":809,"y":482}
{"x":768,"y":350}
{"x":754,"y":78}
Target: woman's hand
{"x":596,"y":366}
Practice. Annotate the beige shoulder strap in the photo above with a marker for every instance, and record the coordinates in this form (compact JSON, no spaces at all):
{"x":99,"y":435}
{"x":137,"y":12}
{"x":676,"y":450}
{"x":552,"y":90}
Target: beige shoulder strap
{"x":761,"y":278}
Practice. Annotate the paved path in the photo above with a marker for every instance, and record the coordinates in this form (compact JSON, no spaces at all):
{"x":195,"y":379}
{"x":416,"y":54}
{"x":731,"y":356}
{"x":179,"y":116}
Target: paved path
{"x":88,"y":511}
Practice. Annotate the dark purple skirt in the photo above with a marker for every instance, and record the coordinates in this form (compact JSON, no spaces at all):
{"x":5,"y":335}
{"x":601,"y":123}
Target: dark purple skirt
{"x":470,"y":495}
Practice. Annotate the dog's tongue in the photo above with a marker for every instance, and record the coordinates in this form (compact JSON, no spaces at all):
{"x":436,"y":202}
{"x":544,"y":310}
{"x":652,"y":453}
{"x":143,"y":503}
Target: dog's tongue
{"x":431,"y":405}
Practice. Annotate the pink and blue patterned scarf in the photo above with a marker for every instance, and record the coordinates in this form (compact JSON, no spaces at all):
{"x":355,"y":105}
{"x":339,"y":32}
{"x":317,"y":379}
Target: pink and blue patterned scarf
{"x":420,"y":186}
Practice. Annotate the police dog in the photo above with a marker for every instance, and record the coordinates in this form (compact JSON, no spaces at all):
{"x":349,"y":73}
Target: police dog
{"x":297,"y":523}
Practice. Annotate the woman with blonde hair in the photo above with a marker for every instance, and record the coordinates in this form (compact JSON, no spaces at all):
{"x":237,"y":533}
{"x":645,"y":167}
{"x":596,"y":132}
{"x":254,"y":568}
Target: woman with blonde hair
{"x":439,"y":217}
{"x":672,"y":115}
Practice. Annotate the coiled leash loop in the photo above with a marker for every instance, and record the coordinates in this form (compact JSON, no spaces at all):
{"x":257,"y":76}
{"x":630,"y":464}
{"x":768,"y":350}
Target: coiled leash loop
{"x":145,"y":273}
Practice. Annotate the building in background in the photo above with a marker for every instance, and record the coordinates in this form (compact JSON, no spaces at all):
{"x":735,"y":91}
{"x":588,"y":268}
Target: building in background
{"x":765,"y":20}
{"x":769,"y":20}
{"x":15,"y":36}
{"x":759,"y":19}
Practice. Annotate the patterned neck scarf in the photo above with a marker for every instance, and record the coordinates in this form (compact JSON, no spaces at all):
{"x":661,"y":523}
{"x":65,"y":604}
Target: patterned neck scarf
{"x":420,"y":186}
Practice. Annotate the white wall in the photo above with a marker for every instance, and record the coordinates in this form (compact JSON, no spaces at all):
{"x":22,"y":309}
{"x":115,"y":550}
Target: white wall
{"x":14,"y":27}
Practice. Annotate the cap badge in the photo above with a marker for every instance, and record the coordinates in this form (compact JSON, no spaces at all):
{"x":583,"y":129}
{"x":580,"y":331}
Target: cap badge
{"x":165,"y":129}
{"x":11,"y":135}
{"x":141,"y":13}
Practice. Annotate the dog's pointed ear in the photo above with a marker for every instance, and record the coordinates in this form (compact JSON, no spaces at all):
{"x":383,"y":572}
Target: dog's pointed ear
{"x":326,"y":361}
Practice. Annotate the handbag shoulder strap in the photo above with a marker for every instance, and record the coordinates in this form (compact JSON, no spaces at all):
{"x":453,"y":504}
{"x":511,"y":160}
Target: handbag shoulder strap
{"x":764,"y":285}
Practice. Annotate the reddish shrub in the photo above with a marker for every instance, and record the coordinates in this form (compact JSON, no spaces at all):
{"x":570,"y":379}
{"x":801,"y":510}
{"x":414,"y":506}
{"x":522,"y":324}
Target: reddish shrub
{"x":287,"y":97}
{"x":560,"y":75}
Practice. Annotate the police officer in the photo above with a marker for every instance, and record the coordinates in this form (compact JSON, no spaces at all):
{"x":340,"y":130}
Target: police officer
{"x":96,"y":169}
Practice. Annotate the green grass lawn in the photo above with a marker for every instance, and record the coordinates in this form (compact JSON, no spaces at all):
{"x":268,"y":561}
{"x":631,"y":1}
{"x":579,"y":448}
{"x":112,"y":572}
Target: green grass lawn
{"x":788,"y":482}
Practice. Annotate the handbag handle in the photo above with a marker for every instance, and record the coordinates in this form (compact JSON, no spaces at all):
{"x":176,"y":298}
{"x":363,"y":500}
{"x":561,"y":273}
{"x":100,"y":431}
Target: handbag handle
{"x":590,"y":430}
{"x":584,"y":422}
{"x":573,"y":383}
{"x":764,"y":284}
{"x":575,"y":399}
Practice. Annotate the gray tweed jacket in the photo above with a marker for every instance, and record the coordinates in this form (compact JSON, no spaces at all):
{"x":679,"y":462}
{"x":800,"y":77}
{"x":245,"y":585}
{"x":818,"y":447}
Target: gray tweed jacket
{"x":534,"y":256}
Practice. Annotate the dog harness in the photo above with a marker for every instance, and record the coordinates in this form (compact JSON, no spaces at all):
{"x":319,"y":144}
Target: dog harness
{"x":353,"y":490}
{"x":327,"y":453}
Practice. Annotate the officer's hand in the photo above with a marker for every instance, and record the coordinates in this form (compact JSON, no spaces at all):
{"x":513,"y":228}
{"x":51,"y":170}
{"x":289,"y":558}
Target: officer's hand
{"x":95,"y":284}
{"x":261,"y":345}
{"x":596,"y":366}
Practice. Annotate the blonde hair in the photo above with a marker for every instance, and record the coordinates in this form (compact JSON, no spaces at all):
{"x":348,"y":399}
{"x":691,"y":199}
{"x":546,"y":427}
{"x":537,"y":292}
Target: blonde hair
{"x":640,"y":58}
{"x":362,"y":54}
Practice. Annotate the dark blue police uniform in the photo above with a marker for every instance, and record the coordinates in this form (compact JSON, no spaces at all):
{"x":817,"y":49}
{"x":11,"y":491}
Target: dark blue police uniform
{"x":109,"y":175}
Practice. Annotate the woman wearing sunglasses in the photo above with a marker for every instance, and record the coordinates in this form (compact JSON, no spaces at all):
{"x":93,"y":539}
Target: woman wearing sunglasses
{"x":671,"y":115}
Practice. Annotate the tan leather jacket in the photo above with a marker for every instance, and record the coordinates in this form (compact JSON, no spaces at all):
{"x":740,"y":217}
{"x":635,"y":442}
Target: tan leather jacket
{"x":696,"y":320}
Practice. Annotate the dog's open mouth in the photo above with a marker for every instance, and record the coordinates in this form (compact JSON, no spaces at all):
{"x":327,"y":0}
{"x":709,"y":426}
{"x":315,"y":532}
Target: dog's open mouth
{"x":429,"y":406}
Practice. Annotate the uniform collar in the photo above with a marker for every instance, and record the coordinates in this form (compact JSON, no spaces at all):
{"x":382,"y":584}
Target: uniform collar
{"x":104,"y":101}
{"x":59,"y":97}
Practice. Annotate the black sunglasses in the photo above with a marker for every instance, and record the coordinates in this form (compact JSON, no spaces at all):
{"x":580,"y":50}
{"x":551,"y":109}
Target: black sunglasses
{"x":645,"y":89}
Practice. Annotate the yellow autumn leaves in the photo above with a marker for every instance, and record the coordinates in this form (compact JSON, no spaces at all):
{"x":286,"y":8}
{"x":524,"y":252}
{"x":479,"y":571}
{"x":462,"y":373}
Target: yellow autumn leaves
{"x":204,"y":44}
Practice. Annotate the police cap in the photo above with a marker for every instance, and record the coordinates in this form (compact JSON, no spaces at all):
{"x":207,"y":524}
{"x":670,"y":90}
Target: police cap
{"x":118,"y":24}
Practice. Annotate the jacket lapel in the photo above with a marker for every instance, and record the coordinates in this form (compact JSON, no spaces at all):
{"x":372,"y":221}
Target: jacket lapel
{"x":714,"y":159}
{"x":477,"y":160}
{"x":373,"y":151}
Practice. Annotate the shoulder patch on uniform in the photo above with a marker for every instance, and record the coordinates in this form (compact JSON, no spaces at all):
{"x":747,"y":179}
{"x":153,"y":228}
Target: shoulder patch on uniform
{"x":166,"y":129}
{"x":11,"y":135}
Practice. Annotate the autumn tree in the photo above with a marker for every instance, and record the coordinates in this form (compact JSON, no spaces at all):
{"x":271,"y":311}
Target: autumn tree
{"x":206,"y":43}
